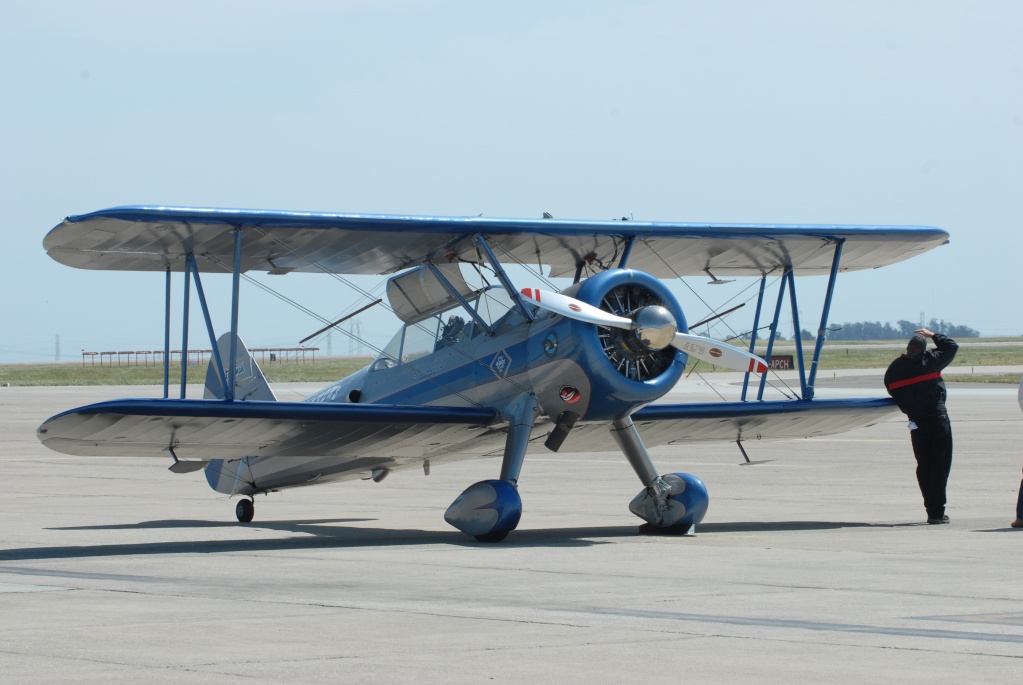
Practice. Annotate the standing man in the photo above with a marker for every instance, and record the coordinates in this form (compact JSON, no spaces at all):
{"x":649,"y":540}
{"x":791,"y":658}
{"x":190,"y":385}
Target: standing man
{"x":914,"y":381}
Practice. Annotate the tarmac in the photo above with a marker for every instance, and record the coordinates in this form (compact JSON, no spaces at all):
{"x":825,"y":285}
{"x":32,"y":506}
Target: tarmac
{"x":814,"y":564}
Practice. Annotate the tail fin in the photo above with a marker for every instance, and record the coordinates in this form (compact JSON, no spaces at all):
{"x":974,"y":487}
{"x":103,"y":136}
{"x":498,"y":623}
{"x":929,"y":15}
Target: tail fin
{"x":249,"y":381}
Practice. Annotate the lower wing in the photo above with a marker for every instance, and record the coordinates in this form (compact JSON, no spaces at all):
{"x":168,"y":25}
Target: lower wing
{"x":208,"y":429}
{"x":671,"y":424}
{"x":214,"y":429}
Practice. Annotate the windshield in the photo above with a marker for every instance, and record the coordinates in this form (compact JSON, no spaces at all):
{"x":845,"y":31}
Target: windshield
{"x":450,"y":328}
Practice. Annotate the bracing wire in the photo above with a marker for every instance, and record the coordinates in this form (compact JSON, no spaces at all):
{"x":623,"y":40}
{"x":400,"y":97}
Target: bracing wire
{"x":364,"y":293}
{"x":306,"y":310}
{"x":785,"y":389}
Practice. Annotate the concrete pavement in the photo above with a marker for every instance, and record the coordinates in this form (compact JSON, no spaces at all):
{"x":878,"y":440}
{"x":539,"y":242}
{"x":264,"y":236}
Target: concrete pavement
{"x":812,"y":565}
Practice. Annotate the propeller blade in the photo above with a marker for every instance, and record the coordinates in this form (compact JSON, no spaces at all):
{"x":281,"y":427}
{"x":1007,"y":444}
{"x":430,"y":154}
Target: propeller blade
{"x":706,"y":349}
{"x":575,"y":309}
{"x":719,"y":353}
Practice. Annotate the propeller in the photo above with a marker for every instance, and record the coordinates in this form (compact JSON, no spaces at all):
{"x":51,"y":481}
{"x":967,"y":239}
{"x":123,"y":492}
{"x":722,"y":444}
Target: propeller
{"x":653,"y":326}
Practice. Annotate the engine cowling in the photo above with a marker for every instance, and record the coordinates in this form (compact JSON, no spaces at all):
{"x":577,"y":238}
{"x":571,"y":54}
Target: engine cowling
{"x":624,"y":369}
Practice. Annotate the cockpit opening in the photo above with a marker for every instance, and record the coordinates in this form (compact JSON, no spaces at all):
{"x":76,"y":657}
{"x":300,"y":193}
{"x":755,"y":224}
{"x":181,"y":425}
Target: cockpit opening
{"x":451,"y":328}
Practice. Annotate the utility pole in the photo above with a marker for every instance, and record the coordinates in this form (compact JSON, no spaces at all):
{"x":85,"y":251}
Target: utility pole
{"x":355,"y":338}
{"x":57,"y":351}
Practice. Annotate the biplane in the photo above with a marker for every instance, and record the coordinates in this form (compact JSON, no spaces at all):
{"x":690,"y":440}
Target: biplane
{"x":487,"y":368}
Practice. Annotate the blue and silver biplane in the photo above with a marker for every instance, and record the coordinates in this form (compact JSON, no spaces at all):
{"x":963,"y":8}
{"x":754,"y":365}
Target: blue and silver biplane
{"x":475,"y":371}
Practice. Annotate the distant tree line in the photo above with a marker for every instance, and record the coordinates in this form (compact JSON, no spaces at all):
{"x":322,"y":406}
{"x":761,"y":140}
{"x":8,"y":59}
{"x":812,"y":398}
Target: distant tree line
{"x":875,"y":330}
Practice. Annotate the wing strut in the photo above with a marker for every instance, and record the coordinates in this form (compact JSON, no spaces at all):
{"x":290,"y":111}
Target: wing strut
{"x":218,"y":362}
{"x":184,"y":331}
{"x":166,"y":338}
{"x":226,"y":373}
{"x":824,"y":319}
{"x":753,"y":335}
{"x":788,"y":280}
{"x":461,"y":300}
{"x":797,"y":336}
{"x":513,"y":292}
{"x":774,"y":330}
{"x":627,"y":252}
{"x":235,"y":288}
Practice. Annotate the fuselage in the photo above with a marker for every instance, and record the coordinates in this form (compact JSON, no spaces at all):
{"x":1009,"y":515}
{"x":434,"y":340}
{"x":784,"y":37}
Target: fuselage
{"x":562,"y":362}
{"x":445,"y":360}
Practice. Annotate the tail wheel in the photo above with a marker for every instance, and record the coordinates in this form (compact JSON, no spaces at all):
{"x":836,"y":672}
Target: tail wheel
{"x":631,"y":358}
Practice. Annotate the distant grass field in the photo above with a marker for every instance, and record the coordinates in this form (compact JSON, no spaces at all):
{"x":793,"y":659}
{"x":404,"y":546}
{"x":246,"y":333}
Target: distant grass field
{"x":322,"y":370}
{"x":1012,"y":378}
{"x":852,"y":355}
{"x":836,"y":356}
{"x":865,"y":356}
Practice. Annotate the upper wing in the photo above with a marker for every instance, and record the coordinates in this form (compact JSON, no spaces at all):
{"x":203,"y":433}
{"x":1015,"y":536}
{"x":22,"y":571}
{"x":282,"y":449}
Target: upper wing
{"x":158,"y":238}
{"x":206,"y":429}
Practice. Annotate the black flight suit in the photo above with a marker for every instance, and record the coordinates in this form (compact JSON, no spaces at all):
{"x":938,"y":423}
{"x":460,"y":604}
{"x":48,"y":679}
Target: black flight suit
{"x":916,"y":385}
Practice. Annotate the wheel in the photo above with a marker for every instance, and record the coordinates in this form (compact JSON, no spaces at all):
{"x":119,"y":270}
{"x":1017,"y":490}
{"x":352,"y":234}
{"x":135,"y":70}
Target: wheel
{"x":245,"y":510}
{"x":493,"y":537}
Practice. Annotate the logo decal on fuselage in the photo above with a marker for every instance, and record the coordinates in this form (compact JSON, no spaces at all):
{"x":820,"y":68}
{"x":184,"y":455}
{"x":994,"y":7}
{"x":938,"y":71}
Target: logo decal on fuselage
{"x":570,"y":395}
{"x":550,"y":344}
{"x":501,"y":364}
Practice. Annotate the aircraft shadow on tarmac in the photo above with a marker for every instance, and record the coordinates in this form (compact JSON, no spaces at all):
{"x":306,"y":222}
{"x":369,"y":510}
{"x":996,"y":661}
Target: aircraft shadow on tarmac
{"x":325,"y":534}
{"x":194,"y":523}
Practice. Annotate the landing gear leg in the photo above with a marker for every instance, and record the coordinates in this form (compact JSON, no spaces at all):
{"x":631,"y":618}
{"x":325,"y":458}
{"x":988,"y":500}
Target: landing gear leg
{"x":245,"y":510}
{"x":518,"y":439}
{"x":625,"y":434}
{"x":491,"y":509}
{"x":673,"y":503}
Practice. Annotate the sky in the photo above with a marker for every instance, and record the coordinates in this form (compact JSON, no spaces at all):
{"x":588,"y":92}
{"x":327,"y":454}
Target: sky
{"x":893,"y":112}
